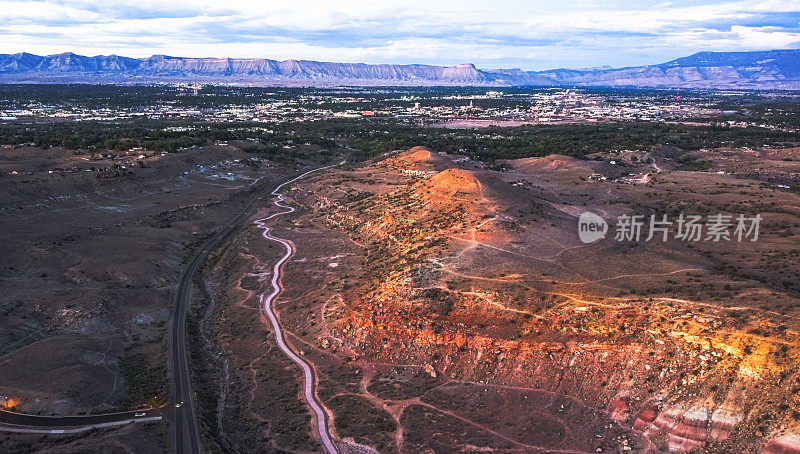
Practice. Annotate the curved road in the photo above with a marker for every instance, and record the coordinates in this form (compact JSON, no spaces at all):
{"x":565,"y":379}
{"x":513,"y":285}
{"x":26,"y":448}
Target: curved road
{"x":186,"y":434}
{"x":309,"y":379}
{"x":24,"y":423}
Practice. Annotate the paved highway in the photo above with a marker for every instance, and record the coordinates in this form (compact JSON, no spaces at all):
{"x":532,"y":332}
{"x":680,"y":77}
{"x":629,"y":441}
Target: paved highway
{"x":186,"y":437}
{"x":19,"y":422}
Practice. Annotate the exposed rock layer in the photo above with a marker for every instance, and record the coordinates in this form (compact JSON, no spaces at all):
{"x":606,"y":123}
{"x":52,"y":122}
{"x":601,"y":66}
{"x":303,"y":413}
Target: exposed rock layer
{"x":778,"y":69}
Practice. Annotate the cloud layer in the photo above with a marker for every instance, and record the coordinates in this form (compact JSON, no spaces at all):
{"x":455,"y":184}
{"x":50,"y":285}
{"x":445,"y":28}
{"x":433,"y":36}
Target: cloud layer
{"x":525,"y":34}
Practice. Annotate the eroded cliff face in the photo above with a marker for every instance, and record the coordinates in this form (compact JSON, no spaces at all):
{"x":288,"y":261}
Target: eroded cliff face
{"x":446,"y":287}
{"x":680,"y":394}
{"x":776,"y":69}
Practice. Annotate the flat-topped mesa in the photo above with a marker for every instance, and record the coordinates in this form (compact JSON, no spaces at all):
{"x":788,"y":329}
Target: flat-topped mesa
{"x":777,"y":69}
{"x":466,"y":72}
{"x":248,"y":70}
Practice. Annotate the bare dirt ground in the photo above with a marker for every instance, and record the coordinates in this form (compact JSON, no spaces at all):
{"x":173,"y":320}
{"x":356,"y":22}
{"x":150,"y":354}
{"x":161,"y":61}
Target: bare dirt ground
{"x":448,"y":308}
{"x":92,"y":246}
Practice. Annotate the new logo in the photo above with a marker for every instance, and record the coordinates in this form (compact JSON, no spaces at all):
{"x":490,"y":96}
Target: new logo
{"x":591,"y":227}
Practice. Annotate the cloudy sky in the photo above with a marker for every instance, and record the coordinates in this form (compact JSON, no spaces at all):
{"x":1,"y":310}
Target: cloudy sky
{"x":528,"y":34}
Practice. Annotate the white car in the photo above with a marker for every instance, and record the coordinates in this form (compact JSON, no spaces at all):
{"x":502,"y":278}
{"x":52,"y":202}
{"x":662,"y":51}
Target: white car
{"x":179,"y":404}
{"x":139,"y":415}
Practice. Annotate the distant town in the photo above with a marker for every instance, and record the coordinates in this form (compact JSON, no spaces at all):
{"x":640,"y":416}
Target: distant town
{"x":423,"y":106}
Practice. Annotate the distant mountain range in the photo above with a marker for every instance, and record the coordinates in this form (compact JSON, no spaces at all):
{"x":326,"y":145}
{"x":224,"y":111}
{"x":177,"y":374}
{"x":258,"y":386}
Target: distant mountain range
{"x":775,"y":69}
